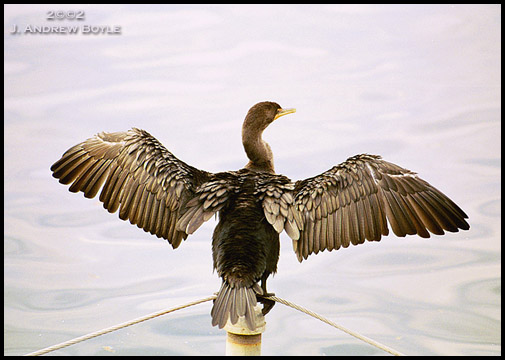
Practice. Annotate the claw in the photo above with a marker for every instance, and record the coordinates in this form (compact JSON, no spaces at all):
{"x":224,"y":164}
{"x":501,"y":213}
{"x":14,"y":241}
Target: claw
{"x":267,"y":303}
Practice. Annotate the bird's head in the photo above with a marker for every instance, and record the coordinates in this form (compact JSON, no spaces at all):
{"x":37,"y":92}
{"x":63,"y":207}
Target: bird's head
{"x":263,"y":114}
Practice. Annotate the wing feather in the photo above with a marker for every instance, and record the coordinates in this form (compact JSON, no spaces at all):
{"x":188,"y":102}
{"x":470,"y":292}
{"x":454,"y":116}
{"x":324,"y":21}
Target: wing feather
{"x":354,"y":201}
{"x":137,"y":175}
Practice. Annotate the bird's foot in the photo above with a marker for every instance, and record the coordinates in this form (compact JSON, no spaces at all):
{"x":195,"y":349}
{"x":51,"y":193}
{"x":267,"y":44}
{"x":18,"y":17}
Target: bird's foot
{"x":267,"y":303}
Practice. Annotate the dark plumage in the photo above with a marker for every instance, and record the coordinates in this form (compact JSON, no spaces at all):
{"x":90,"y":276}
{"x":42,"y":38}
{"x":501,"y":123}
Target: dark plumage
{"x":348,"y":204}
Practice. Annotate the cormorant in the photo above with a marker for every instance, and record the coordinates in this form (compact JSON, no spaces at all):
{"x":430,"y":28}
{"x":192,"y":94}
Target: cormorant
{"x":163,"y":195}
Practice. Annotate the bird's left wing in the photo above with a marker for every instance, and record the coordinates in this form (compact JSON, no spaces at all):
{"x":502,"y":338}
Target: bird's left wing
{"x":351,"y":202}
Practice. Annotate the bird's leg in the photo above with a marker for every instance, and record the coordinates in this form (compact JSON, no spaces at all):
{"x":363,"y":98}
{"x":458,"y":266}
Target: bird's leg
{"x":267,"y":303}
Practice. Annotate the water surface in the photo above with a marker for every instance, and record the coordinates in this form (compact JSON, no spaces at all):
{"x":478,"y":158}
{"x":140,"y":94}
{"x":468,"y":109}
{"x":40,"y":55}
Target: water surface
{"x":418,"y":84}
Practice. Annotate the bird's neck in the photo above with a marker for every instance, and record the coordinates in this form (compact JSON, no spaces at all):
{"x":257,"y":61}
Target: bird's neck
{"x":258,"y":151}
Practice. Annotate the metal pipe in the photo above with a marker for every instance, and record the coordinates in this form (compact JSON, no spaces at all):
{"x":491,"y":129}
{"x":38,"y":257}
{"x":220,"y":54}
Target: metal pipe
{"x":240,"y":340}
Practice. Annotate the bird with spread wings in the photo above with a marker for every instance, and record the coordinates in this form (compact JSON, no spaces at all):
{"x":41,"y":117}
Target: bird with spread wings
{"x":348,"y":204}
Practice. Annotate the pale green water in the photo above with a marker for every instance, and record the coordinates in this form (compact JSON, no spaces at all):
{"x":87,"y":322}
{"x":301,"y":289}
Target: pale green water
{"x":419,"y":85}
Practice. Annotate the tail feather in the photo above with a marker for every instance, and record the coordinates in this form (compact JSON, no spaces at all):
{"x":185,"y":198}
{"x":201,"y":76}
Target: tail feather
{"x":233,"y":302}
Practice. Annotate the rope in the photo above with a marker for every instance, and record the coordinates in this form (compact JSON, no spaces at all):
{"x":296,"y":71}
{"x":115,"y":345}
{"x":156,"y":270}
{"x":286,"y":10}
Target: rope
{"x":350,"y":332}
{"x":116,"y":327}
{"x":163,"y":312}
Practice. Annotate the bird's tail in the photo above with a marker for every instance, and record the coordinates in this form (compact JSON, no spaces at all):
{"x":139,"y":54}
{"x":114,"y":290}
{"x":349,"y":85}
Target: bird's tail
{"x":235,"y":301}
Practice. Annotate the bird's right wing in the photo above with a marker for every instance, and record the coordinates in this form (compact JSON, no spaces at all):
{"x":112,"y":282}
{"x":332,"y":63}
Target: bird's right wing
{"x":148,"y":184}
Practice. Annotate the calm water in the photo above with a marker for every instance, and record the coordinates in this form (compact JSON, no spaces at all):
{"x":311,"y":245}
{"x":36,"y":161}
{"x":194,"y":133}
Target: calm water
{"x":419,"y":85}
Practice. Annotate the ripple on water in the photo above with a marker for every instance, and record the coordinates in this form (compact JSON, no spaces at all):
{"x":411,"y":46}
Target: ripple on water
{"x":491,"y":208}
{"x":79,"y":218}
{"x":456,"y":325}
{"x":413,"y":259}
{"x":484,"y":292}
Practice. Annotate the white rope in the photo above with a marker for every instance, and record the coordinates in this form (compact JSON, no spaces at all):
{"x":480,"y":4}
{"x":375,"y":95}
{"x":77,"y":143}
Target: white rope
{"x":116,"y":327}
{"x":350,"y":332}
{"x":163,"y":312}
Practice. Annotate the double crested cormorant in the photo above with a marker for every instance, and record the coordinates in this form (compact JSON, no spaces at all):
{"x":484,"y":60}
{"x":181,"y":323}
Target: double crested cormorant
{"x":171,"y":199}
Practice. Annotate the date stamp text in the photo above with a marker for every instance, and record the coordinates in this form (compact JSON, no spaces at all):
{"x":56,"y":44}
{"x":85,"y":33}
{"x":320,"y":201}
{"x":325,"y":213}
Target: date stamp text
{"x":65,"y":22}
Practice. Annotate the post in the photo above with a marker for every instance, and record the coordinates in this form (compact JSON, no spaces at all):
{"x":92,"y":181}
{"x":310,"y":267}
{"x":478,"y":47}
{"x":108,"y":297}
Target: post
{"x":240,"y":341}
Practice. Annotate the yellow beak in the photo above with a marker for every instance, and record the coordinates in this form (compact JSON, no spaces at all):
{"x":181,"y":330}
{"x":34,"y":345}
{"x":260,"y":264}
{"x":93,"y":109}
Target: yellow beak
{"x":282,"y":112}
